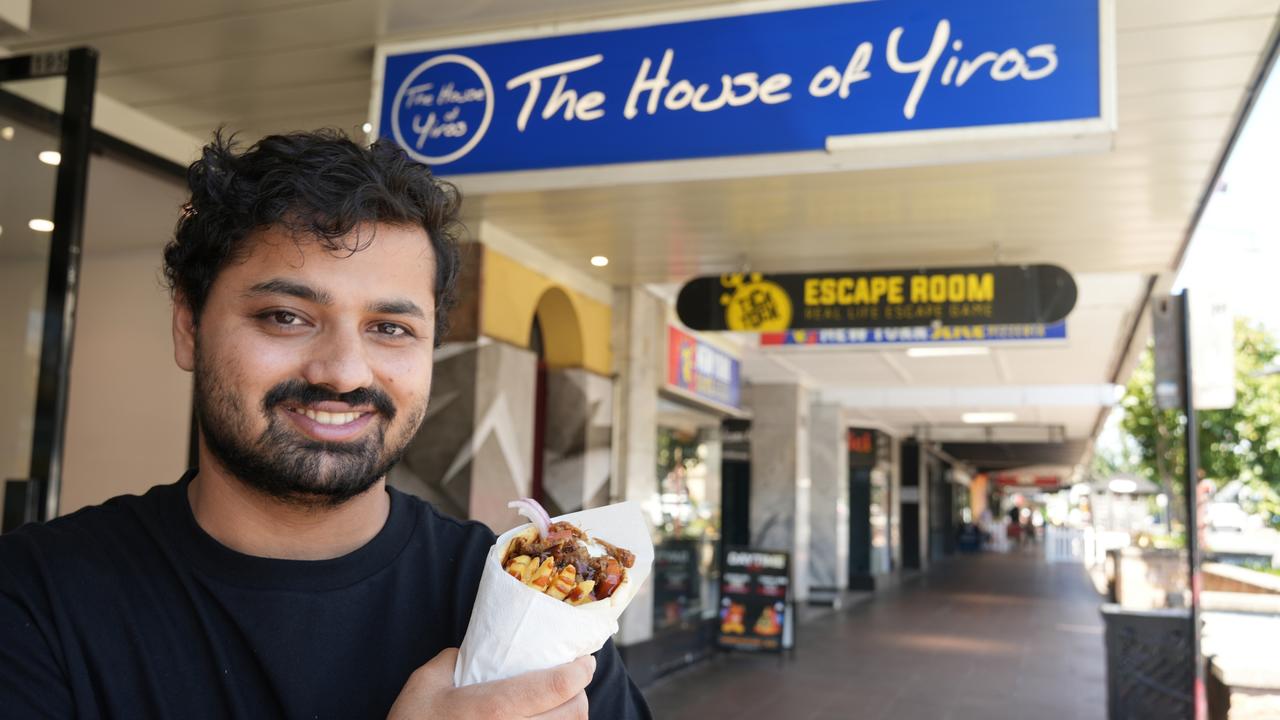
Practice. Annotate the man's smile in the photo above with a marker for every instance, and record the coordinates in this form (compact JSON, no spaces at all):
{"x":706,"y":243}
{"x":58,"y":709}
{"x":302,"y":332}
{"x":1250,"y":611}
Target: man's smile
{"x":330,"y":421}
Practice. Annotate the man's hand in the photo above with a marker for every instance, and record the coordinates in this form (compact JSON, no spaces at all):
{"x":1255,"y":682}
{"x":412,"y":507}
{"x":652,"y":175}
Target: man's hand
{"x":555,"y":694}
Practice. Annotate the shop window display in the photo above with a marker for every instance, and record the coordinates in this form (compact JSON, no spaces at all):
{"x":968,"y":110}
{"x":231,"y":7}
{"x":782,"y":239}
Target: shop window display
{"x":687,"y":525}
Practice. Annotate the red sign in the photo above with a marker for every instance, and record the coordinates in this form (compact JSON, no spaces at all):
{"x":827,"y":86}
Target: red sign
{"x":862,"y":441}
{"x":1042,"y":481}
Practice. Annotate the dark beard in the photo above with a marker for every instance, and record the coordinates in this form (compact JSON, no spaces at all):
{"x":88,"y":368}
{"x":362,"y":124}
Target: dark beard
{"x":283,"y":464}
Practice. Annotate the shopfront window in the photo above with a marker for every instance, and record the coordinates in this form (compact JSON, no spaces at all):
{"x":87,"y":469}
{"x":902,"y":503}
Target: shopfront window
{"x":688,"y":518}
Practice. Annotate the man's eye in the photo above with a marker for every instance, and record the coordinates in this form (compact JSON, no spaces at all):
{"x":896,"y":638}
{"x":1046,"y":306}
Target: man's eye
{"x":281,"y":319}
{"x":391,"y":329}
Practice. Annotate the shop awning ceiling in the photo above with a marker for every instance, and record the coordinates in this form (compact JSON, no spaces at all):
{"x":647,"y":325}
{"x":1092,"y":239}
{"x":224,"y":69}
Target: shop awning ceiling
{"x":1185,"y":70}
{"x":995,"y":457}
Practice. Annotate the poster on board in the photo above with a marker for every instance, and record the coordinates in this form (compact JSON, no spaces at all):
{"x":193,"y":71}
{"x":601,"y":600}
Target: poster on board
{"x":754,"y":600}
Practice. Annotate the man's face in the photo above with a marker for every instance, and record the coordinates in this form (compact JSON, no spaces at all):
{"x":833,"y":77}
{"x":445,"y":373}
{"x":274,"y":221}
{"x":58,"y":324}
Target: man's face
{"x":313,"y":368}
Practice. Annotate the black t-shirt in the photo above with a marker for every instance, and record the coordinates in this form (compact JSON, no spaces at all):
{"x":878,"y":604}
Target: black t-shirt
{"x":130,"y":610}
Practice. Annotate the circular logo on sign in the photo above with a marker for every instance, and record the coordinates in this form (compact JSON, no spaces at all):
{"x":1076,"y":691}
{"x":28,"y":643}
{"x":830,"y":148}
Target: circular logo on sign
{"x":755,"y":304}
{"x":442,"y":109}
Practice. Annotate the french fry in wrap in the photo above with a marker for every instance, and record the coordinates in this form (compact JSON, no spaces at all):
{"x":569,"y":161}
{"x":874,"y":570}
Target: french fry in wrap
{"x":515,"y":629}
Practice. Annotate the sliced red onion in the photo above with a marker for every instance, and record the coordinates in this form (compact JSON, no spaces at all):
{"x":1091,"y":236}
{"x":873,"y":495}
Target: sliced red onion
{"x":537,"y":515}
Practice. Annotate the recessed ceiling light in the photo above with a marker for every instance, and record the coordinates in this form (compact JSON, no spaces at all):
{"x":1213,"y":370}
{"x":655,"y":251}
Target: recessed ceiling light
{"x":6,"y":132}
{"x":599,"y":260}
{"x":50,"y":157}
{"x":367,"y":128}
{"x":938,"y":352}
{"x":41,"y":225}
{"x":988,"y":418}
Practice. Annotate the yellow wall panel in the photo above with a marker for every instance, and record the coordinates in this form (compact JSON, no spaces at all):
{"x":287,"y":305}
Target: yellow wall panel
{"x":576,"y":332}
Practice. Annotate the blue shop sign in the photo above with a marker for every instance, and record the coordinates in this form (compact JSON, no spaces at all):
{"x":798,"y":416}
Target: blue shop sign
{"x":800,"y":80}
{"x":702,"y":370}
{"x":918,"y":335}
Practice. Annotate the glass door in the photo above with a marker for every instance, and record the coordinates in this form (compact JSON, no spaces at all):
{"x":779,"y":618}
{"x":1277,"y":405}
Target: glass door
{"x":46,"y":104}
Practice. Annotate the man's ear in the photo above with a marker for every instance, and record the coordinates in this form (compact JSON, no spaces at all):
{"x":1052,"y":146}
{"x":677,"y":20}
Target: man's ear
{"x":184,"y":333}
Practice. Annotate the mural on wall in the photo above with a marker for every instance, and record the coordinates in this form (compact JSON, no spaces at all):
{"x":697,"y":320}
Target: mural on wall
{"x":473,"y":452}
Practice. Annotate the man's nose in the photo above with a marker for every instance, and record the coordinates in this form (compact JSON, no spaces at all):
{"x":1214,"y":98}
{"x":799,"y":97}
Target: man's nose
{"x":339,"y":361}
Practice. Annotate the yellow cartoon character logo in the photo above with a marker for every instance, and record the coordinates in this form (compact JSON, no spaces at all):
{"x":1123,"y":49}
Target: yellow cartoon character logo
{"x":769,"y":622}
{"x":731,"y":618}
{"x":686,"y":364}
{"x":753,"y":304}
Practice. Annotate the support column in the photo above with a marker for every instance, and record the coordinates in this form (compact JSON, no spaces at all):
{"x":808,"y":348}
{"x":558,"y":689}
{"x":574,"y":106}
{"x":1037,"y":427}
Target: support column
{"x":638,"y":337}
{"x":829,"y":498}
{"x":780,"y":479}
{"x":895,"y":506}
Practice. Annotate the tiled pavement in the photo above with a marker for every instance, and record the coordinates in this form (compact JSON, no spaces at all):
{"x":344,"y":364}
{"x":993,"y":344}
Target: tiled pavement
{"x":987,"y":637}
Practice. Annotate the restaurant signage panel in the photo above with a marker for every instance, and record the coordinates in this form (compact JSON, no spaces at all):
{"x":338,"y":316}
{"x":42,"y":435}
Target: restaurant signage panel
{"x":742,"y":81}
{"x":754,"y":599}
{"x":702,"y":369}
{"x":959,"y":296}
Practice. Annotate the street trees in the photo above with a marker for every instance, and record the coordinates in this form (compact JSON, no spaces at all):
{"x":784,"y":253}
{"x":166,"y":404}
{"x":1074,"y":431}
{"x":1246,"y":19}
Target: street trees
{"x":1238,"y":443}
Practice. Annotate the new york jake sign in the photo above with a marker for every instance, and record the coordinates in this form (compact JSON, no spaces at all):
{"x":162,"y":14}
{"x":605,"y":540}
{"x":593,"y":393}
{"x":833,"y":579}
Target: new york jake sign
{"x":796,"y":82}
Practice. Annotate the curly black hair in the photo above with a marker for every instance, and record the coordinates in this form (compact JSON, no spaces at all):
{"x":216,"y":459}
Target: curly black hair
{"x":318,"y":185}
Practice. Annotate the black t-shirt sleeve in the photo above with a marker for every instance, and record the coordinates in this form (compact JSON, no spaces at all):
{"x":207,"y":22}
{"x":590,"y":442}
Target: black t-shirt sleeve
{"x":32,"y":684}
{"x":611,"y":694}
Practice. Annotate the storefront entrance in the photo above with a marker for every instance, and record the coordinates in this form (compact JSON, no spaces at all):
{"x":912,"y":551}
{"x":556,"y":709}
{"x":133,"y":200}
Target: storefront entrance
{"x":687,"y":534}
{"x":689,"y":531}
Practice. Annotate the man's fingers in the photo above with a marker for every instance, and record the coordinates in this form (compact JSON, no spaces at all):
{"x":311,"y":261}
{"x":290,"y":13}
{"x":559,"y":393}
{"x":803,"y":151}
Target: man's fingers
{"x":534,"y":693}
{"x":569,"y":680}
{"x":447,"y":658}
{"x":575,"y":709}
{"x":440,"y":666}
{"x":435,"y":674}
{"x":424,"y":687}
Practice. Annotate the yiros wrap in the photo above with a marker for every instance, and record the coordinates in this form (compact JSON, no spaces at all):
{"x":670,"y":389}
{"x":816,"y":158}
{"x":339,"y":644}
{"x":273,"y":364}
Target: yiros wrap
{"x":515,"y":629}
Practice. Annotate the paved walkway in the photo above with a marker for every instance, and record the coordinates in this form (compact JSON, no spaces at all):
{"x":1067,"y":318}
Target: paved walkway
{"x":988,"y":637}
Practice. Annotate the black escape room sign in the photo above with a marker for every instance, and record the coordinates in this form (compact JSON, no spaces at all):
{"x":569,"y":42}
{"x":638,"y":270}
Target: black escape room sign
{"x":756,"y":302}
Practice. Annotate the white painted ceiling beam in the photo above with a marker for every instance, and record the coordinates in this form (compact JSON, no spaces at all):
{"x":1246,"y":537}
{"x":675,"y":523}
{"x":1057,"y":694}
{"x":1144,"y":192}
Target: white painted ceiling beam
{"x":15,"y":16}
{"x":118,"y":120}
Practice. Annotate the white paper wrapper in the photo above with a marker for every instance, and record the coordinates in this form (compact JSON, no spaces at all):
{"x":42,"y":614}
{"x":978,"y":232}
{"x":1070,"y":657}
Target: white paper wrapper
{"x":514,"y":629}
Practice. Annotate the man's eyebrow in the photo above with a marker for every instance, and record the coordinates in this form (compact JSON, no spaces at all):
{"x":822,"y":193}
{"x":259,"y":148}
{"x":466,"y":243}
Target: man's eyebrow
{"x":280,"y":286}
{"x":398,"y":306}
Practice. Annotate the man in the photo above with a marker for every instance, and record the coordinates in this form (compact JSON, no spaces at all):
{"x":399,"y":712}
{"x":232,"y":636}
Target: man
{"x":311,"y":279}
